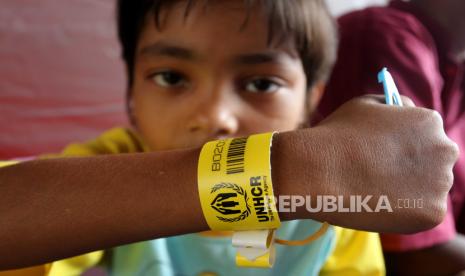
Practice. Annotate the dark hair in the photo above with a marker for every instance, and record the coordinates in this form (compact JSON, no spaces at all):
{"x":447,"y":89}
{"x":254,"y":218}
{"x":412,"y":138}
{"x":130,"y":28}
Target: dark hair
{"x":308,"y":22}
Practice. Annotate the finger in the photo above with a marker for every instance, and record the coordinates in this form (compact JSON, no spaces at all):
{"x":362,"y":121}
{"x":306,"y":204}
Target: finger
{"x":381,"y":99}
{"x":372,"y":99}
{"x":407,"y":101}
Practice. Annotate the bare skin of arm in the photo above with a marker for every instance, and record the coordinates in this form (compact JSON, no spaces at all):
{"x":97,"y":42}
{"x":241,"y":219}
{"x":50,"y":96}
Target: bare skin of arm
{"x":443,"y":259}
{"x":53,"y":209}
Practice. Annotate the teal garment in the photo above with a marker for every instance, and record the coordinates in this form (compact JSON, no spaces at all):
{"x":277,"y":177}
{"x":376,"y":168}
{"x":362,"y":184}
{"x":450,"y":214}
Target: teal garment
{"x":193,"y":254}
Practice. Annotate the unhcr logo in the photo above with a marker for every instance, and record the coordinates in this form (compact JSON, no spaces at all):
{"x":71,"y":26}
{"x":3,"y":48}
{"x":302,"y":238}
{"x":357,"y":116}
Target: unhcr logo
{"x":231,"y":201}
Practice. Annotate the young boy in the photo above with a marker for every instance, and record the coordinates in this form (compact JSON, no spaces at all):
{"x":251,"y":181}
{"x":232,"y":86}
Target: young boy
{"x":205,"y":70}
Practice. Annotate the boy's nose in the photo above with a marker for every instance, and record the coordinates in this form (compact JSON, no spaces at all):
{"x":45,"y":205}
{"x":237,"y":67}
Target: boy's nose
{"x":215,"y":117}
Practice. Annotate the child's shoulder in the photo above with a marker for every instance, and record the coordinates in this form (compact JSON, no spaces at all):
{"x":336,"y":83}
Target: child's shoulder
{"x":113,"y":141}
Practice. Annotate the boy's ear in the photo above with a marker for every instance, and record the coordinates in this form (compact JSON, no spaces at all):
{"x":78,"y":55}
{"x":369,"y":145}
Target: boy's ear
{"x":314,"y":96}
{"x":316,"y":93}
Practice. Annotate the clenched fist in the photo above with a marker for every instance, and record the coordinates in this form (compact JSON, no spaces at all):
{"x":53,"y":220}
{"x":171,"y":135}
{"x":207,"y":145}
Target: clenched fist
{"x":369,"y":149}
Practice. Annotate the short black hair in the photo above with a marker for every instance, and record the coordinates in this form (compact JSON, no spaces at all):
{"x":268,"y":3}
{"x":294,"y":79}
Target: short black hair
{"x":307,"y":22}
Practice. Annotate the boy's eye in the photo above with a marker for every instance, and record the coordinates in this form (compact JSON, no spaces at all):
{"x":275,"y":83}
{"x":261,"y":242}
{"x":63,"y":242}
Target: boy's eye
{"x":262,"y":86}
{"x":169,"y":79}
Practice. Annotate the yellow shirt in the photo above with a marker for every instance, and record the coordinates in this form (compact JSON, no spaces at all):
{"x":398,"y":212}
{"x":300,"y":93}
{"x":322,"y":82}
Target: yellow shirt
{"x":355,"y":252}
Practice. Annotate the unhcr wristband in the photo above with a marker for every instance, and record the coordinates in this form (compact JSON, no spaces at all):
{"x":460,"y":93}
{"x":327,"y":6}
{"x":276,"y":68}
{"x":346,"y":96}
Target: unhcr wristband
{"x":234,"y":181}
{"x":236,"y":193}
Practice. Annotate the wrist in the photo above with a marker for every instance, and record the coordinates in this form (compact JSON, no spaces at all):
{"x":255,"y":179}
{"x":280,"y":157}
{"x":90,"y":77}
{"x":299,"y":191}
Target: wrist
{"x":302,"y":164}
{"x":287,"y":170}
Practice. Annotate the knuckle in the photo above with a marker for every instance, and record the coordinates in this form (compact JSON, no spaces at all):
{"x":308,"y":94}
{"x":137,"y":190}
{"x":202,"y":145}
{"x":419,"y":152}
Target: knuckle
{"x":445,"y":182}
{"x":370,"y":98}
{"x":449,"y":148}
{"x":455,"y":150}
{"x":436,"y":117}
{"x":447,"y":152}
{"x":407,"y":101}
{"x":450,"y":180}
{"x":439,"y":213}
{"x":435,"y":113}
{"x":431,"y":118}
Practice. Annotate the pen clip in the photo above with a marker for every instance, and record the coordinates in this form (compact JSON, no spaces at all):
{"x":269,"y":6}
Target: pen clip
{"x":390,"y":90}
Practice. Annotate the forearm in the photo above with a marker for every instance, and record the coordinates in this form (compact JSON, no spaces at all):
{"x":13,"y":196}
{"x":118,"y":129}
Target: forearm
{"x":53,"y":209}
{"x":57,"y":208}
{"x":443,"y":259}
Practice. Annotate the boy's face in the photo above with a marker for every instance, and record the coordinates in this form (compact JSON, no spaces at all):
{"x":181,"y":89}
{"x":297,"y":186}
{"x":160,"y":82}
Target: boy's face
{"x":202,"y":77}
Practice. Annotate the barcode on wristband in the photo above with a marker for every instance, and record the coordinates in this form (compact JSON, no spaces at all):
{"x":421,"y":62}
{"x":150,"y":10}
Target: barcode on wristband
{"x":235,"y":157}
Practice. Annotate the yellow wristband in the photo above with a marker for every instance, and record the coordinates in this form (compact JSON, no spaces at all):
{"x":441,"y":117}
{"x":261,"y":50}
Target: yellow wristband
{"x":235,"y":188}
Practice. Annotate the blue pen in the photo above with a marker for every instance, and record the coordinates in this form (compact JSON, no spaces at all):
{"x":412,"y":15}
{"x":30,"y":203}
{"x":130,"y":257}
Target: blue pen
{"x":390,"y":90}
